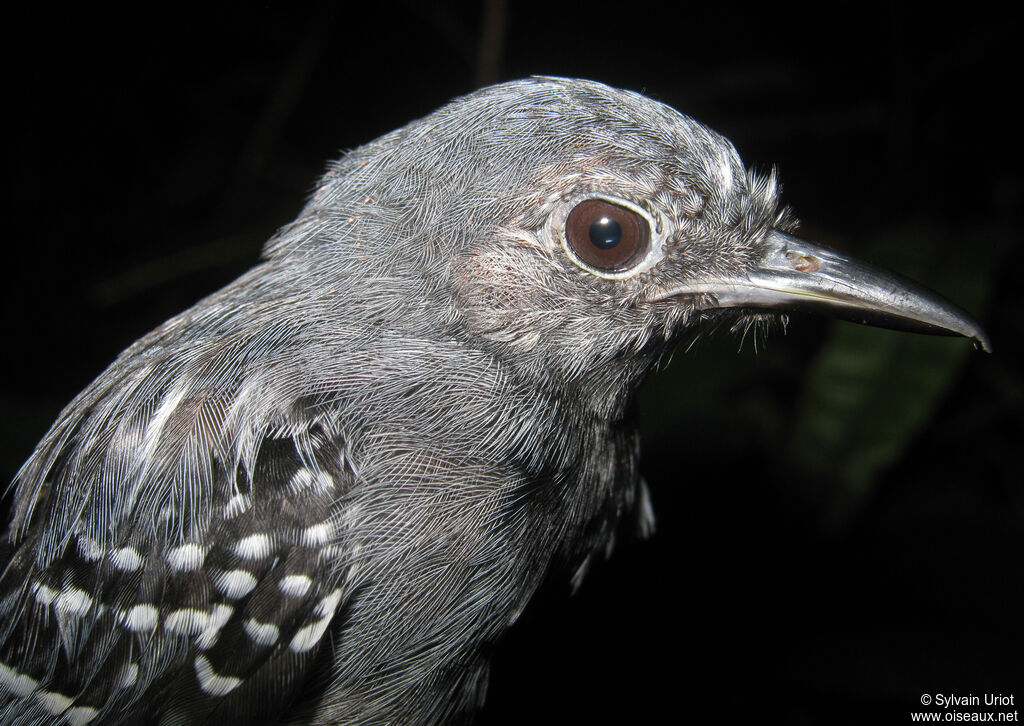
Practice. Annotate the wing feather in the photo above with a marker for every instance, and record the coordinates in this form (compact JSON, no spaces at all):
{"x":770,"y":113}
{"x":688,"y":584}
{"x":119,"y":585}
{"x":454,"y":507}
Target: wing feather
{"x":183,"y":573}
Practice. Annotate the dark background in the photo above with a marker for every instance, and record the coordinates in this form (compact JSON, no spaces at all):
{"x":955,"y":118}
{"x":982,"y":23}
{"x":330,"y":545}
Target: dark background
{"x":839,"y":531}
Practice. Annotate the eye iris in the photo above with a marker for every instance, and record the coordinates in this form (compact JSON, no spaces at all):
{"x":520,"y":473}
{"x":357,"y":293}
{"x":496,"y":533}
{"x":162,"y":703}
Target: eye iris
{"x":605,"y":233}
{"x":606,"y":237}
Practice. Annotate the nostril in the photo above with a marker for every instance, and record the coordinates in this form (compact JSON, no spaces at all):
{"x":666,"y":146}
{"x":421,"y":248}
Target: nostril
{"x":803,"y":263}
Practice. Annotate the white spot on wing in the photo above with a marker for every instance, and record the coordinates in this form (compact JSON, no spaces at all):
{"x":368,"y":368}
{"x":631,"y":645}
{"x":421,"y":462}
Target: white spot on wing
{"x":219,"y":617}
{"x":43,"y":594}
{"x":186,"y":557}
{"x":236,"y":505}
{"x":80,"y":715}
{"x":261,"y":633}
{"x":55,"y":703}
{"x":318,"y":534}
{"x":89,"y":549}
{"x":235,"y":583}
{"x":128,"y":676}
{"x":139,"y":618}
{"x":126,"y":559}
{"x":253,"y":547}
{"x":16,"y":683}
{"x":187,"y":621}
{"x":295,"y":585}
{"x":308,"y":636}
{"x":302,"y":479}
{"x":319,"y":481}
{"x":725,"y":174}
{"x":156,"y":424}
{"x":327,"y":606}
{"x":73,"y":601}
{"x":323,"y":482}
{"x":211,"y":682}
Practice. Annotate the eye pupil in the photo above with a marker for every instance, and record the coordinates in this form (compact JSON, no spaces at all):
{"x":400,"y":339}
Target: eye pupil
{"x":605,"y":233}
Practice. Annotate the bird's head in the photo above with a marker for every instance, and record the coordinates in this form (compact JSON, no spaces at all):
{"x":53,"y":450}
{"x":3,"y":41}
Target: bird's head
{"x":574,"y":230}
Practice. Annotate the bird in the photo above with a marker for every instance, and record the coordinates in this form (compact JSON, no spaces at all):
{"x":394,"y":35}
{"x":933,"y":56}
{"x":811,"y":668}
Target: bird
{"x":323,"y":493}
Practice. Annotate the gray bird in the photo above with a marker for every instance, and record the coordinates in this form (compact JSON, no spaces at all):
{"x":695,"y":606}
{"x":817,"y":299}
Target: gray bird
{"x":321,"y":494}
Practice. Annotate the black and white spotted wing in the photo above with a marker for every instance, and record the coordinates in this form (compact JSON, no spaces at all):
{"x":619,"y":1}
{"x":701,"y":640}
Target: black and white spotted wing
{"x":210,"y":608}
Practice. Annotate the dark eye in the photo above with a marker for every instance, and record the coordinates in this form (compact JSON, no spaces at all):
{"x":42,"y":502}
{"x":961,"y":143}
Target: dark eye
{"x":607,"y":236}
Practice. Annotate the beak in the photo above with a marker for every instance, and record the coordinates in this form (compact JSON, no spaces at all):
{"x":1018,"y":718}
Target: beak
{"x":799,"y":275}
